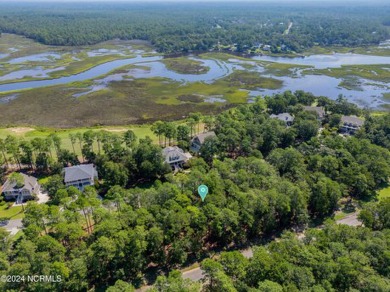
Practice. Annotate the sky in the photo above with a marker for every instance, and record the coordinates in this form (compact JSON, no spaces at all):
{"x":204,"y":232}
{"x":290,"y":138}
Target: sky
{"x":340,"y":2}
{"x":183,"y":1}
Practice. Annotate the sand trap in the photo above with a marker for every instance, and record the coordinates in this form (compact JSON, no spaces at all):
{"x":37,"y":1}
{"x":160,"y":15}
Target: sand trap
{"x":21,"y":130}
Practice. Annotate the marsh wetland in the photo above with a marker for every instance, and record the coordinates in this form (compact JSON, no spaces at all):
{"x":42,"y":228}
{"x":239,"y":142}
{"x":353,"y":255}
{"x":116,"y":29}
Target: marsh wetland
{"x":120,"y":82}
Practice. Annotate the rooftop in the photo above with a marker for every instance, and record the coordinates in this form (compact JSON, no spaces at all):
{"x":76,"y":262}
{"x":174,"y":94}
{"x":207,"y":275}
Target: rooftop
{"x":354,"y":120}
{"x":174,"y":154}
{"x":79,"y":172}
{"x":285,"y":117}
{"x":29,"y":183}
{"x":202,"y":137}
{"x":319,"y":110}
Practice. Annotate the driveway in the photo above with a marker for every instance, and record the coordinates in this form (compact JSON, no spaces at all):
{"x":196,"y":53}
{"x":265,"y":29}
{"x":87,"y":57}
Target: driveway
{"x":197,"y":274}
{"x":351,"y":220}
{"x":43,"y":197}
{"x":13,"y":226}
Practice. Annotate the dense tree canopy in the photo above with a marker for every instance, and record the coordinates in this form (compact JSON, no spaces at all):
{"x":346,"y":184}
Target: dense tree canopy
{"x":263,"y":178}
{"x":200,"y":27}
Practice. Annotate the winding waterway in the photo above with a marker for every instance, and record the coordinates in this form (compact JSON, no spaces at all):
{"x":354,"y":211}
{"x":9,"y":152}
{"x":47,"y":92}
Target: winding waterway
{"x":369,"y":93}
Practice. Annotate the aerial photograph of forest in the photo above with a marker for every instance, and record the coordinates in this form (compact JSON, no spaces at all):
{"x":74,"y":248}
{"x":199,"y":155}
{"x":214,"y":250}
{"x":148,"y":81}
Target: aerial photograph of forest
{"x":201,"y":146}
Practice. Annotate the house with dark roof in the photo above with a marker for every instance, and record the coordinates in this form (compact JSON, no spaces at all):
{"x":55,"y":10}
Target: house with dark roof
{"x":318,"y":110}
{"x":175,"y":157}
{"x":198,"y":140}
{"x":12,"y":191}
{"x":284,"y":117}
{"x":80,"y":176}
{"x":350,"y":124}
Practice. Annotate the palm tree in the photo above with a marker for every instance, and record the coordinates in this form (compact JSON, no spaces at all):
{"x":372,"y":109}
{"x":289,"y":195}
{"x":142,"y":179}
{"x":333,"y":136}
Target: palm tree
{"x":3,"y":149}
{"x":209,"y":123}
{"x":99,"y":138}
{"x":170,"y":131}
{"x":80,"y":138}
{"x":13,"y":148}
{"x":191,"y":123}
{"x":56,"y":142}
{"x":73,"y":140}
{"x":48,"y":143}
{"x":158,"y":129}
{"x":130,"y":139}
{"x":197,"y":117}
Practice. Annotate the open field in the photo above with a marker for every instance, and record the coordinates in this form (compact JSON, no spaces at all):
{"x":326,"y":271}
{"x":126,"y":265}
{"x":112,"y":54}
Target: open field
{"x":141,"y":131}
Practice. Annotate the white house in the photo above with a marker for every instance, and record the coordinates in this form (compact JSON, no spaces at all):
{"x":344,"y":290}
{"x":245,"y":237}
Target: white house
{"x":175,"y":157}
{"x":23,"y":193}
{"x":80,"y":176}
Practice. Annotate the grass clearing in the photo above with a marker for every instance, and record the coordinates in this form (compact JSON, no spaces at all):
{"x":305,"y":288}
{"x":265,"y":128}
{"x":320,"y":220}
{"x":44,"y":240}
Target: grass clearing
{"x":384,"y":193}
{"x":15,"y":212}
{"x":18,"y":235}
{"x":141,"y":131}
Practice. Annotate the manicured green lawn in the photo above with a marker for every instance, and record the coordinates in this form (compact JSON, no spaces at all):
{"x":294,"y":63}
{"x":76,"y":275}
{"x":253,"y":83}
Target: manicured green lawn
{"x":18,"y":235}
{"x":340,"y":215}
{"x":12,"y":213}
{"x":384,"y":193}
{"x":141,"y":131}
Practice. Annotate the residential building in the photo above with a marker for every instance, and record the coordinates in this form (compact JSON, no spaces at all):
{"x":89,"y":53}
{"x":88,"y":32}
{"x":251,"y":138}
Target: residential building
{"x":350,"y":124}
{"x":198,"y":140}
{"x":22,"y":193}
{"x":284,"y":117}
{"x":266,"y":48}
{"x":318,"y":110}
{"x":175,"y":157}
{"x":80,"y":176}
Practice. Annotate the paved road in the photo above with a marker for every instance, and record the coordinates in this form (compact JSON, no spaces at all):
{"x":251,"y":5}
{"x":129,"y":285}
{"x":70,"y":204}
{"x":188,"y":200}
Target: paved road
{"x":350,"y":220}
{"x":197,"y":274}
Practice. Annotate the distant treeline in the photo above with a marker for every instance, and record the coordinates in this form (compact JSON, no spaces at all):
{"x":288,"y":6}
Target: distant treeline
{"x":199,"y":27}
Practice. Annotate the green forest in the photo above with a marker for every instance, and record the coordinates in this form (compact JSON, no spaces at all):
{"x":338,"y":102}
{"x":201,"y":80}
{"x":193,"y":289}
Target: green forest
{"x":180,"y":28}
{"x":265,"y":181}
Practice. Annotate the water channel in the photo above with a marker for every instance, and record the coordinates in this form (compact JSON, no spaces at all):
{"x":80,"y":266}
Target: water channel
{"x":369,"y":93}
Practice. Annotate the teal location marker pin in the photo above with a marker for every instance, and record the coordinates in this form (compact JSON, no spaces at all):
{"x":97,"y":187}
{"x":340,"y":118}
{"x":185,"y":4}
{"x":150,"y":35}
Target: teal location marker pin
{"x":203,"y":190}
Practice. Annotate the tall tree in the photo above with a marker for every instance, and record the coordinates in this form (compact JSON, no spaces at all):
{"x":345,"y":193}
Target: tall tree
{"x":73,"y":140}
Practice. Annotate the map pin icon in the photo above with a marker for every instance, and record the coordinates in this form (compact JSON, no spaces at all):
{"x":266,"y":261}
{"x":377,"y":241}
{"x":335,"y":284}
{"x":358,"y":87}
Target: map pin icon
{"x":203,"y":190}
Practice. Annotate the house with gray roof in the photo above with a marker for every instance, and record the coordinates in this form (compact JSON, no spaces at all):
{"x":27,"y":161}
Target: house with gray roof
{"x":318,"y":110}
{"x":22,"y":193}
{"x":350,"y":124}
{"x":175,"y":157}
{"x":198,"y":140}
{"x":80,"y":176}
{"x":284,"y":117}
